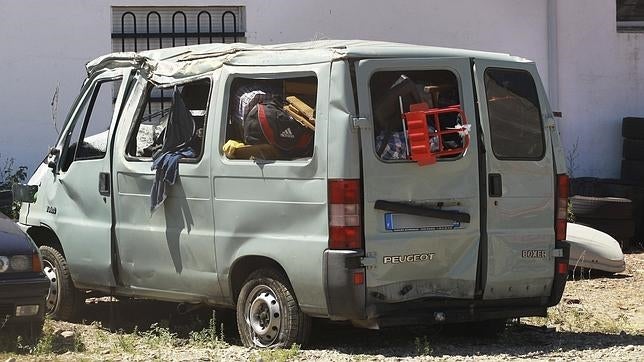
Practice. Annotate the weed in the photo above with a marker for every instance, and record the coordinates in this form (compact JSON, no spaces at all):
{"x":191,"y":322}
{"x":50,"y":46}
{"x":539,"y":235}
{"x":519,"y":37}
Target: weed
{"x":126,"y":342}
{"x":208,"y":337}
{"x":423,"y":348}
{"x":578,"y":319}
{"x":280,"y":354}
{"x":159,"y":336}
{"x":53,"y":342}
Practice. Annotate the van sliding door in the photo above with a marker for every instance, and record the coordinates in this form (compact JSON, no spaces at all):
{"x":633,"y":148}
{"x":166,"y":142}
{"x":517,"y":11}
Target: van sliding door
{"x":421,"y":223}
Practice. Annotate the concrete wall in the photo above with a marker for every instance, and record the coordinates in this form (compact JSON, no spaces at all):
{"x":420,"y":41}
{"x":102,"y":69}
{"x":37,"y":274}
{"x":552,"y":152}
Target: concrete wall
{"x":600,"y":72}
{"x":601,"y":80}
{"x":46,"y":44}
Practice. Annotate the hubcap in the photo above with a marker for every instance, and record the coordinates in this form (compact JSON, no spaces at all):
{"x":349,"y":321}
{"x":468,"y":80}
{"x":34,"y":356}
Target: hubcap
{"x":52,"y":294}
{"x":263,"y":316}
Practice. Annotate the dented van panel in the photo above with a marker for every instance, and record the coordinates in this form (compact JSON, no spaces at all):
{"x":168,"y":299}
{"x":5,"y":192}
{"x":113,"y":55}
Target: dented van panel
{"x":371,"y":182}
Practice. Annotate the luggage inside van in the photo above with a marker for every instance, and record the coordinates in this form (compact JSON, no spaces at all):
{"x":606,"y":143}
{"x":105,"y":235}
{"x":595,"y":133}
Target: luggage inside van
{"x":271,"y":119}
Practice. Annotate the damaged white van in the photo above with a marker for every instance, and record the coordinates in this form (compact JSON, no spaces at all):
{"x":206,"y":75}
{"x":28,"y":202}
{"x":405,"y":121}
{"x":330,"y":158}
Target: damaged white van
{"x":378,"y":183}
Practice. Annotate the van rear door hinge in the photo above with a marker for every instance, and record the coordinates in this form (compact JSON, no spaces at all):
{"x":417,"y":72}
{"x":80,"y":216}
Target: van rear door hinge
{"x":360,"y":123}
{"x":557,"y":253}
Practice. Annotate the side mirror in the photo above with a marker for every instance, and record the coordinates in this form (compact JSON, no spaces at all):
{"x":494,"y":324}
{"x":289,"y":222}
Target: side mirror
{"x":53,"y":162}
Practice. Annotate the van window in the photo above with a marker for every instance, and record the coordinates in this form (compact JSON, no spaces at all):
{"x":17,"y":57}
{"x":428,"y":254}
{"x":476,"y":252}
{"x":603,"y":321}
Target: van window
{"x":271,"y":119}
{"x":149,"y":131}
{"x":88,"y":136}
{"x":394,"y":93}
{"x":514,"y":114}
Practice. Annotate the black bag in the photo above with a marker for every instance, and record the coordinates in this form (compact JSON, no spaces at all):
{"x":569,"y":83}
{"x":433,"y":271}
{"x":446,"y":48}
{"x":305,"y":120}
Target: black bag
{"x":267,"y":122}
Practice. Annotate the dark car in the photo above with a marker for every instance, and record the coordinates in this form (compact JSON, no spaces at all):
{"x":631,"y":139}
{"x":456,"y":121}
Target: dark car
{"x":23,"y":285}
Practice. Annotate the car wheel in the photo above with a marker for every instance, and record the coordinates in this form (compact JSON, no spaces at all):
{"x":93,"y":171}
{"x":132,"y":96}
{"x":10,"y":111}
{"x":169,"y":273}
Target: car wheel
{"x":268,"y":314}
{"x":63,"y":299}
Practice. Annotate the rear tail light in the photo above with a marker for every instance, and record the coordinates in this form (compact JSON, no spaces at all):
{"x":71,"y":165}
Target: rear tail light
{"x":561,"y":266}
{"x":358,"y":278}
{"x":345,"y":231}
{"x":561,"y":221}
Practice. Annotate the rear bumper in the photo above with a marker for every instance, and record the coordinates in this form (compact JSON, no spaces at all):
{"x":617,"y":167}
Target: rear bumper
{"x":347,"y":300}
{"x":425,"y":312}
{"x":344,"y":299}
{"x":22,"y":292}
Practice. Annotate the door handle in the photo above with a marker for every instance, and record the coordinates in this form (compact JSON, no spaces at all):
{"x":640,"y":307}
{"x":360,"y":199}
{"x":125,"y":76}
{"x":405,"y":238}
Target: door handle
{"x":495,"y":185}
{"x":104,"y":183}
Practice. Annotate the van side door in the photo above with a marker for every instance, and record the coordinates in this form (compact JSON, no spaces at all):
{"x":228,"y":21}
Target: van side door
{"x":518,"y":235}
{"x":167,"y":252}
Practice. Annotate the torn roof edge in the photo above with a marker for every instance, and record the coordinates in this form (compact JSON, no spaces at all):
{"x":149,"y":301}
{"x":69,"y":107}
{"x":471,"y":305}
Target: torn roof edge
{"x":171,"y":65}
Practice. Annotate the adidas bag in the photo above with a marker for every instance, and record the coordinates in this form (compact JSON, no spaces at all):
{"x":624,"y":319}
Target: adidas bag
{"x":267,"y":122}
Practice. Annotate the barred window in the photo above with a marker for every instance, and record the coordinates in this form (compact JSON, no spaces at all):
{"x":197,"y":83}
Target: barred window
{"x":136,"y":28}
{"x":630,"y":15}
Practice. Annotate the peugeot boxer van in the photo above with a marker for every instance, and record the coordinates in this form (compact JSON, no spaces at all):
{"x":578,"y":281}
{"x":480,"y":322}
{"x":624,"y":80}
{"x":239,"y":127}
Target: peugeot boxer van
{"x":376,"y":183}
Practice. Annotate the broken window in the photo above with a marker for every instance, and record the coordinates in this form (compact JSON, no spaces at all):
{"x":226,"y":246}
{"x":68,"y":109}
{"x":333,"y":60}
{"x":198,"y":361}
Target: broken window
{"x":88,"y":135}
{"x":150,"y":130}
{"x":432,"y":99}
{"x":271,"y":119}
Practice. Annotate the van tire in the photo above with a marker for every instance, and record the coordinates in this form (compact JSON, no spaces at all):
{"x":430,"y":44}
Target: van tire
{"x":633,"y":127}
{"x":601,"y":207}
{"x":63,"y":300}
{"x":633,"y":149}
{"x":268,"y":290}
{"x":633,"y":171}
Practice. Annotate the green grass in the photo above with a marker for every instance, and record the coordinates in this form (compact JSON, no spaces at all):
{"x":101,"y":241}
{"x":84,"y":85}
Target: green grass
{"x":280,"y":354}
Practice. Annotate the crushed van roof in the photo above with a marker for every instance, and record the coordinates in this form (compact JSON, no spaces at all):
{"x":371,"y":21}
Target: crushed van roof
{"x":173,"y":65}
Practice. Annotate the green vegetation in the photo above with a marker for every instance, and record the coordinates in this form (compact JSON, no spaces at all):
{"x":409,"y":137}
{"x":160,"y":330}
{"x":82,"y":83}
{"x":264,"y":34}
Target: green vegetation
{"x":578,"y":319}
{"x":279,"y":355}
{"x":9,"y":175}
{"x":209,"y":337}
{"x":423,"y":347}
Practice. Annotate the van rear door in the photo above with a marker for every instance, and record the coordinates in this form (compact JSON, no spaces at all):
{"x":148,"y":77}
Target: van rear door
{"x":409,"y":253}
{"x":519,"y":235}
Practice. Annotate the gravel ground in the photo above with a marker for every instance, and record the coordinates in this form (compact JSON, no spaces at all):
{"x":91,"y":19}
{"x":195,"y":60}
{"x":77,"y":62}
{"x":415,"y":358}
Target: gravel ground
{"x":600,"y":318}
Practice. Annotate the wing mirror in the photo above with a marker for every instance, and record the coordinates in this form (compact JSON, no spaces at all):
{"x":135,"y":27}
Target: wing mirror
{"x":53,"y":155}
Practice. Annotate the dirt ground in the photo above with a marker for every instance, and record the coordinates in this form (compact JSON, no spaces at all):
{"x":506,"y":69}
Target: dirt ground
{"x":601,"y":317}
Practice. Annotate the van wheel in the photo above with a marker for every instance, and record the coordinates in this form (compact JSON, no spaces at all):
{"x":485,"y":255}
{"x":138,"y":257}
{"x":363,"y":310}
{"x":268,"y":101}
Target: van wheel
{"x":268,"y":314}
{"x":63,"y":299}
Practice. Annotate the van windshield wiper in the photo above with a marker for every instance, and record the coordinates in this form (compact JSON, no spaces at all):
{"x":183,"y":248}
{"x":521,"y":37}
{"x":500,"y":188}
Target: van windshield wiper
{"x":417,"y":210}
